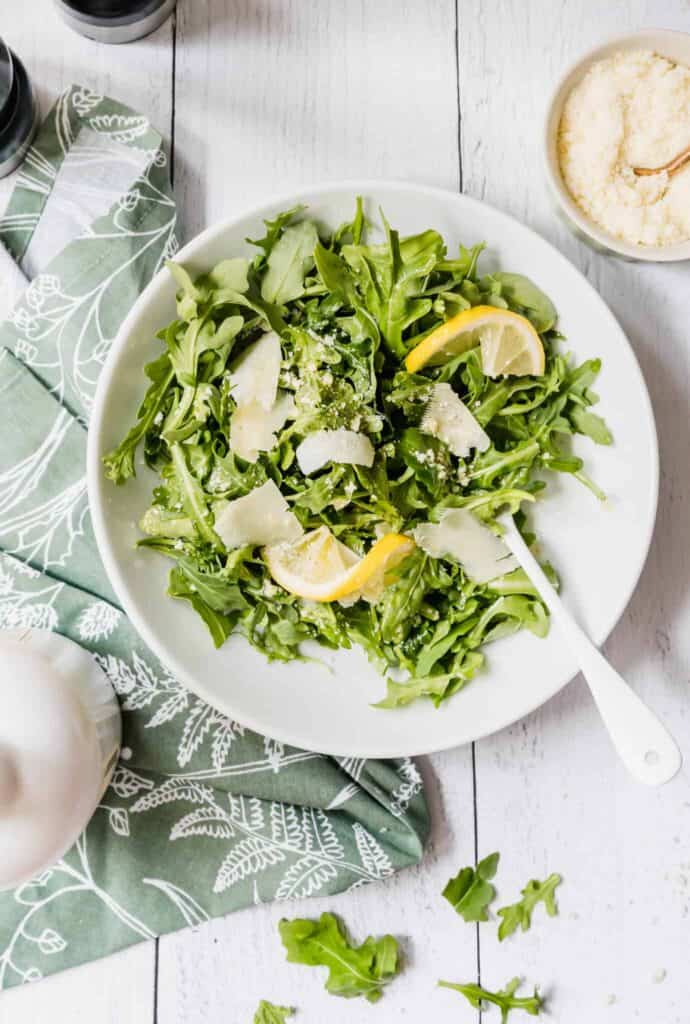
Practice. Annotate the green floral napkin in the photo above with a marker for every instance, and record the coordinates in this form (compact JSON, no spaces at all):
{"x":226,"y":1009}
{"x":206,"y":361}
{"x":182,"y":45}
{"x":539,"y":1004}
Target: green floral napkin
{"x":202,"y":816}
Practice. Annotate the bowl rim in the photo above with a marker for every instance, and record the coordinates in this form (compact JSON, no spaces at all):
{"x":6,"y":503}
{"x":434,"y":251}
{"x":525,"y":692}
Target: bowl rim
{"x":94,"y":469}
{"x":578,"y":220}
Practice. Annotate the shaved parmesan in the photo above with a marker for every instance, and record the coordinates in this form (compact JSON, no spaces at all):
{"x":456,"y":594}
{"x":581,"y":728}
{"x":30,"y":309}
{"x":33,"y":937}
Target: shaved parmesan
{"x":254,"y":376}
{"x":253,"y":429}
{"x":342,"y":446}
{"x":260,"y":517}
{"x":461,"y":536}
{"x":449,"y":419}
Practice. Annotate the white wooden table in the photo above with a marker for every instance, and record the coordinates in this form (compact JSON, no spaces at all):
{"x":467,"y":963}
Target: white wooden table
{"x":261,"y":95}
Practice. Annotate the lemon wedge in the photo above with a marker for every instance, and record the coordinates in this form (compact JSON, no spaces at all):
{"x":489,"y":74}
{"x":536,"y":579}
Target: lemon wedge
{"x":319,"y":567}
{"x":510,"y":345}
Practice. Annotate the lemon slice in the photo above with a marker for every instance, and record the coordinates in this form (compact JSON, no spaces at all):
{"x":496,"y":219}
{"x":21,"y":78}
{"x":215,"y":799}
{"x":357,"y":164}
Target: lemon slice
{"x":509,"y":343}
{"x":319,"y":567}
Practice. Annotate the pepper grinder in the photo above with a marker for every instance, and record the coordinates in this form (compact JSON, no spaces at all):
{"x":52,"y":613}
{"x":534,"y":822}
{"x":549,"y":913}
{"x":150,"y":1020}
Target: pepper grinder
{"x":19,"y":113}
{"x":60,"y":732}
{"x":115,"y":21}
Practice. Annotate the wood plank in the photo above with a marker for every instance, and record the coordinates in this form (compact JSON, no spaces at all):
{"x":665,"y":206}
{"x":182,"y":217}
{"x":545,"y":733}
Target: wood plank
{"x":218,"y":973}
{"x":269,"y":97}
{"x":139,"y":74}
{"x":551,"y":796}
{"x":273,"y":96}
{"x":118,"y":990}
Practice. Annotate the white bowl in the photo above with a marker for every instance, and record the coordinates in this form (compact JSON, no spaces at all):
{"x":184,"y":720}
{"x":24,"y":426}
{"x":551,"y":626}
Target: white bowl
{"x":673,"y":45}
{"x":598,"y":549}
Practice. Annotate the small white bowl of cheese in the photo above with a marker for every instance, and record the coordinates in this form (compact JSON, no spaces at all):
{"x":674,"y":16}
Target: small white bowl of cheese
{"x":625,"y":104}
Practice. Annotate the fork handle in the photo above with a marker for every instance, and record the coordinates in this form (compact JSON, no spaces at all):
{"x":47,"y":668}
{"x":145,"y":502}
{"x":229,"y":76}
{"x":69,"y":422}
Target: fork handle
{"x":644,"y":745}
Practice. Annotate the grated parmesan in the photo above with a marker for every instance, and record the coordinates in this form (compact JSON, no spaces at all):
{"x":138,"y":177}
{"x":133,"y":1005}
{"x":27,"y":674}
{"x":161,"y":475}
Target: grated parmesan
{"x":630,"y":110}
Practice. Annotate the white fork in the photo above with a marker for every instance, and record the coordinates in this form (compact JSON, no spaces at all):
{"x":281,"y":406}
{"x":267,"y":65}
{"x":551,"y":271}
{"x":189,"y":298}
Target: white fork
{"x":644,"y":745}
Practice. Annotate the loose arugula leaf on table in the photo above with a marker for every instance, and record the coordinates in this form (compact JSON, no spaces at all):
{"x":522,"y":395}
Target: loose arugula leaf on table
{"x":269,"y":1013}
{"x":505,"y":999}
{"x":519,"y":915}
{"x":471,"y":892}
{"x":353,"y":971}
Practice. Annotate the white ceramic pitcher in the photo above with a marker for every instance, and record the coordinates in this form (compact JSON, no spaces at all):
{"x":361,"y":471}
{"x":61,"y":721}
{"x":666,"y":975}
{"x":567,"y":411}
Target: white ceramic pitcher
{"x":60,"y":732}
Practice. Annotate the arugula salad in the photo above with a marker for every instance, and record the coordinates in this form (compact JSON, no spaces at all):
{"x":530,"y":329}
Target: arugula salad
{"x":334,"y":424}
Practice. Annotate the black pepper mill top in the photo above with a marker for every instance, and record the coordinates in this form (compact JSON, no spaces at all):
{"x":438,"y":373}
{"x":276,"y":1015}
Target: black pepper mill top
{"x":115,"y":21}
{"x":18,"y":111}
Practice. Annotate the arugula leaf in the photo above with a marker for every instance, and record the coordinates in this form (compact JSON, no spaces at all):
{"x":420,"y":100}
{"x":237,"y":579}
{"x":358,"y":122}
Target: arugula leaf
{"x":505,"y":999}
{"x":119,"y":464}
{"x":159,"y":522}
{"x":288,"y":262}
{"x":401,"y":600}
{"x":220,"y":626}
{"x":274,"y":229}
{"x":252,"y":300}
{"x":398,"y":695}
{"x":518,"y":582}
{"x":408,"y":394}
{"x":336,"y":275}
{"x":184,"y":345}
{"x":470,"y":892}
{"x":269,"y":1013}
{"x":352,"y":970}
{"x":529,"y":299}
{"x":339,"y":279}
{"x":428,"y":458}
{"x":215,"y":590}
{"x":520,"y":914}
{"x":390,"y":277}
{"x":232,"y":479}
{"x":465,"y":266}
{"x":581,"y":378}
{"x":188,"y":295}
{"x":183,"y":280}
{"x":353,"y":229}
{"x":586,"y":422}
{"x":193,"y":497}
{"x":507,"y":614}
{"x":231,"y":274}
